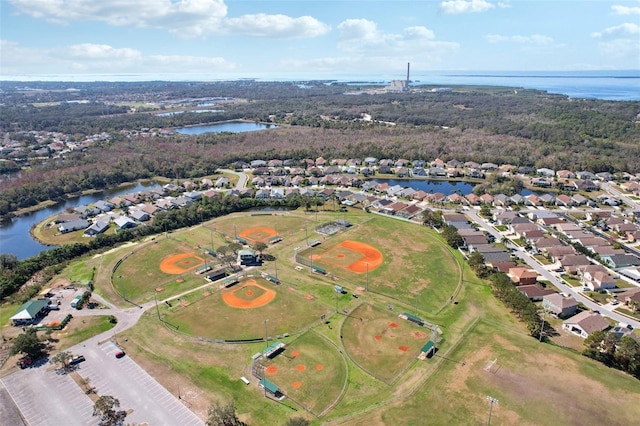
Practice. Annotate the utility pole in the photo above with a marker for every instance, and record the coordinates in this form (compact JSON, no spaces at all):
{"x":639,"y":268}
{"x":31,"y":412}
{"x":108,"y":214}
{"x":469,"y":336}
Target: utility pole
{"x":266,"y":334}
{"x":367,"y":263}
{"x":155,"y":297}
{"x":276,"y":265}
{"x":417,"y":296}
{"x":492,"y":401}
{"x":542,"y":326}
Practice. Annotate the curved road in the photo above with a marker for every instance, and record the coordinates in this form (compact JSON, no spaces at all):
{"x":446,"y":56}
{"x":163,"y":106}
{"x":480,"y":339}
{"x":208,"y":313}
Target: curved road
{"x":242,"y":178}
{"x":604,"y":310}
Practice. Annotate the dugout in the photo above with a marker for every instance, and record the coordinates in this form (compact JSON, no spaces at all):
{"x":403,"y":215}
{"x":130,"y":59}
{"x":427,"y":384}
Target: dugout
{"x":414,"y":319}
{"x":271,"y":388}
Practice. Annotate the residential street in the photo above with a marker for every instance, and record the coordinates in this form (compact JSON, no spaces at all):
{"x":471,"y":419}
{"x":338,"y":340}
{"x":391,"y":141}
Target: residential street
{"x":605,"y":310}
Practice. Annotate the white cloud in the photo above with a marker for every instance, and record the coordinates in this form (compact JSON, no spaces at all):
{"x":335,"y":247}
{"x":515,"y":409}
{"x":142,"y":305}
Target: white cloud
{"x":620,"y":41}
{"x":361,"y":36}
{"x":535,"y":39}
{"x":454,"y":7}
{"x":618,"y":31}
{"x":261,"y":25}
{"x":101,"y":59}
{"x":186,"y":18}
{"x":626,"y":10}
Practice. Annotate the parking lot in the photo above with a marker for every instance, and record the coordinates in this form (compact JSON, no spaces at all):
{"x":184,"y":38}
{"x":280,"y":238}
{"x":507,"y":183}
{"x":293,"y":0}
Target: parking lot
{"x":46,"y":397}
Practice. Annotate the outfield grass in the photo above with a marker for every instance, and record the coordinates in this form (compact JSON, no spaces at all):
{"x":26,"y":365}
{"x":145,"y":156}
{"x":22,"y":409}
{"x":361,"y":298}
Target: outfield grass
{"x":310,"y":371}
{"x":210,"y":317}
{"x":380,"y":342}
{"x":416,"y":264}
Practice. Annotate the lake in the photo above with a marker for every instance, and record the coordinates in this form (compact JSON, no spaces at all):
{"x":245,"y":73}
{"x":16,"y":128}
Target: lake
{"x":16,"y":239}
{"x":444,"y":186}
{"x":230,"y":127}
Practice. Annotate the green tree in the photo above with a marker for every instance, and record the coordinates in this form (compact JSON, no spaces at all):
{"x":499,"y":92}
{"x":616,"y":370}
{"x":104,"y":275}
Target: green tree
{"x":260,"y":247}
{"x":452,"y":237}
{"x":223,"y":415}
{"x":28,"y":343}
{"x":105,"y":407}
{"x":476,"y":263}
{"x":63,"y":359}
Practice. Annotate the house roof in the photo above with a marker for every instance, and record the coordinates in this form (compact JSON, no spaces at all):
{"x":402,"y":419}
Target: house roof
{"x":589,"y":321}
{"x":560,"y":301}
{"x":29,"y":310}
{"x":534,"y":291}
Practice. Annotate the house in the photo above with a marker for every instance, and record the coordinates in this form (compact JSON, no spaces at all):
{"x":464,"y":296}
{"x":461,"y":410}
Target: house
{"x":631,"y":298}
{"x":559,"y":305}
{"x":621,"y":260}
{"x":598,"y":280}
{"x":139,"y":215}
{"x":534,"y":292}
{"x":74,"y":225}
{"x":586,"y":323}
{"x":571,"y":262}
{"x":95,"y":229}
{"x":522,"y":276}
{"x":30,"y":312}
{"x":124,"y":222}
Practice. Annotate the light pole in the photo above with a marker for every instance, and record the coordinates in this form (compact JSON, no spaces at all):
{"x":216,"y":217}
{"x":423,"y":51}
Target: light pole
{"x":492,"y":401}
{"x":275,"y":262}
{"x":417,"y":296}
{"x":266,"y":334}
{"x":235,"y":233}
{"x":155,"y":297}
{"x":367,"y":263}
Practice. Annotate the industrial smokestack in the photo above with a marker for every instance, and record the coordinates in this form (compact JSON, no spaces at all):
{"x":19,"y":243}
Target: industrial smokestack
{"x":408,"y":64}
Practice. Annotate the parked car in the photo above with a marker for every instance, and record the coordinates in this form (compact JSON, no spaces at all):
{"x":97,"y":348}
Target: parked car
{"x":76,"y":359}
{"x":24,"y":362}
{"x":120,"y":354}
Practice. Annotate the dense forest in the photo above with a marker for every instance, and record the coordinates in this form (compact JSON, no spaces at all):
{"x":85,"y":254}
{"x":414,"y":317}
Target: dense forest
{"x":482,"y":124}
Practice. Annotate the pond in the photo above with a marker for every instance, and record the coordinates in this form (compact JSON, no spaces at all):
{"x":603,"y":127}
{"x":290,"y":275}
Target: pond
{"x":230,"y":127}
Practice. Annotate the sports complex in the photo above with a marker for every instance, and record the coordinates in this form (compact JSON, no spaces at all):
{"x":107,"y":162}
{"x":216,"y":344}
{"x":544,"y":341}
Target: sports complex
{"x":344,"y":318}
{"x":358,"y":276}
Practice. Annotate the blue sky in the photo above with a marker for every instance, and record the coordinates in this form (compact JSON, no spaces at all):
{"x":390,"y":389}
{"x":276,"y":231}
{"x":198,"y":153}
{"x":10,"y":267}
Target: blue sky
{"x":220,"y":39}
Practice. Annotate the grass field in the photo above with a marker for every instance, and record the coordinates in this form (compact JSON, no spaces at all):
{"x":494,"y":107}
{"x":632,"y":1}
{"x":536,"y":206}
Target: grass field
{"x":210,"y":317}
{"x":535,"y":383}
{"x":380,"y":342}
{"x":310,"y":371}
{"x":414,"y":263}
{"x":140,"y":274}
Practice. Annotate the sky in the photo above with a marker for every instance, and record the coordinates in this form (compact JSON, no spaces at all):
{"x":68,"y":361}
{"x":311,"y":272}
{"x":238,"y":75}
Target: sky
{"x":302,"y":39}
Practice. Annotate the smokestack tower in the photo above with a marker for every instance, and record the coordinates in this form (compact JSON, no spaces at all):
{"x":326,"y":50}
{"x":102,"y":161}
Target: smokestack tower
{"x":408,"y":64}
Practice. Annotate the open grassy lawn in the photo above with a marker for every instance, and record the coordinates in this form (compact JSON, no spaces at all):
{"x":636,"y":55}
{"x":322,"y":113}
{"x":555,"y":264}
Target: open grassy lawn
{"x":310,"y":371}
{"x":211,"y":317}
{"x":7,"y":310}
{"x":380,"y":342}
{"x":535,"y":384}
{"x":80,"y":329}
{"x":415,"y":262}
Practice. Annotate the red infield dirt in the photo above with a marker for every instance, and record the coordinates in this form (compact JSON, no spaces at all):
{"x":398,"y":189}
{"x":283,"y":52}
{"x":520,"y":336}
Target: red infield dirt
{"x":403,"y":348}
{"x":300,"y":367}
{"x":369,"y":255}
{"x":172,"y":264}
{"x":393,"y":325}
{"x":258,"y":234}
{"x":272,"y":369}
{"x":296,"y":384}
{"x":378,"y":337}
{"x":231,"y":297}
{"x":295,"y":353}
{"x":319,"y":367}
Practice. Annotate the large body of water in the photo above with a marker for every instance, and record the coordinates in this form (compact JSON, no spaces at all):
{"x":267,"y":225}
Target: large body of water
{"x":16,"y":239}
{"x":612,"y":85}
{"x":231,"y":127}
{"x":609,"y":85}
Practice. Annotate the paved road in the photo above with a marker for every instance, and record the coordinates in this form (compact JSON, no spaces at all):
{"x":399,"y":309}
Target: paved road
{"x":605,"y":310}
{"x":242,"y":178}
